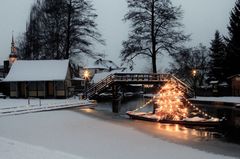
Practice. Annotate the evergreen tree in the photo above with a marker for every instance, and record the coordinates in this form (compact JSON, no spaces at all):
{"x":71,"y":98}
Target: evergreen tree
{"x":155,"y":30}
{"x":233,"y":42}
{"x":217,"y":58}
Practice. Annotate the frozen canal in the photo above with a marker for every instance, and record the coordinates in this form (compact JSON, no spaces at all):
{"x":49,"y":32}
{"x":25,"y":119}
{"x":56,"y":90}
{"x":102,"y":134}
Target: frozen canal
{"x":100,"y":134}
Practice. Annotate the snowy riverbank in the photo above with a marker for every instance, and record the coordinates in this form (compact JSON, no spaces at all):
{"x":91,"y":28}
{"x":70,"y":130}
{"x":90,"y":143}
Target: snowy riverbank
{"x":229,"y":99}
{"x":71,"y":132}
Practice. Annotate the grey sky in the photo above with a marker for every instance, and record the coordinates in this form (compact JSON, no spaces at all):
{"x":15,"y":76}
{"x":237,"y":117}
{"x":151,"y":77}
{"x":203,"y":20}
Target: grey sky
{"x":201,"y":19}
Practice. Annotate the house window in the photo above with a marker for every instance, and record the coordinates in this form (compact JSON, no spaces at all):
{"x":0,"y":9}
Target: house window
{"x":32,"y":86}
{"x":41,"y":86}
{"x":13,"y":86}
{"x":60,"y":85}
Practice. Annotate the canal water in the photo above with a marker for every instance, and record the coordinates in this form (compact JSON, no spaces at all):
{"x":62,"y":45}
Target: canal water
{"x":208,"y":139}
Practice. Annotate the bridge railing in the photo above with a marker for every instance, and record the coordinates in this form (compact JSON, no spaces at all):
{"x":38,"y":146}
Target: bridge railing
{"x":140,"y":77}
{"x":136,"y":77}
{"x":95,"y":88}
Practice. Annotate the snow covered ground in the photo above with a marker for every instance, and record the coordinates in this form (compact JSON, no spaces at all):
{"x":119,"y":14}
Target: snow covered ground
{"x":38,"y":105}
{"x":8,"y":103}
{"x":219,"y":99}
{"x":69,"y":133}
{"x":11,"y":149}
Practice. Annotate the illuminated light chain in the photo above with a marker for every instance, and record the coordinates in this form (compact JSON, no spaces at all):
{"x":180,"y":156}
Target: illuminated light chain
{"x":171,"y":97}
{"x":197,"y":109}
{"x":143,"y":106}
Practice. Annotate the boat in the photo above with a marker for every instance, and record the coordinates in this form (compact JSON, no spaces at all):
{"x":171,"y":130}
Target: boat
{"x":152,"y":118}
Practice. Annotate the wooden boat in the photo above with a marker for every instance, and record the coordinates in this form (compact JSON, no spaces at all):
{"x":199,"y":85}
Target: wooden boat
{"x":181,"y":122}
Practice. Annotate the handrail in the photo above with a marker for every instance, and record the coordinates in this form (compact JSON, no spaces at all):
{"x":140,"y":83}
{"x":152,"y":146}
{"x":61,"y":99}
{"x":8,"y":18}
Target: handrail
{"x":127,"y":77}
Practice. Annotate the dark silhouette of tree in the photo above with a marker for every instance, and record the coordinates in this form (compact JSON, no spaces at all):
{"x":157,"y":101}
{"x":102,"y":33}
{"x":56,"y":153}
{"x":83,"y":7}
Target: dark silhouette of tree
{"x":29,"y":43}
{"x":59,"y":29}
{"x":188,"y":59}
{"x":81,"y":29}
{"x":233,"y":42}
{"x":217,"y":58}
{"x":155,"y":30}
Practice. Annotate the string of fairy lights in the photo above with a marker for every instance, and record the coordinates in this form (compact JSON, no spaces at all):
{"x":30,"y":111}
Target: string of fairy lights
{"x":170,"y":104}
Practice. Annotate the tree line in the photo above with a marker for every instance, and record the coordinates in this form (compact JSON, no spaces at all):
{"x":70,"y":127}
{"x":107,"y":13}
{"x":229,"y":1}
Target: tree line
{"x":217,"y":63}
{"x":60,"y":29}
{"x":64,"y":28}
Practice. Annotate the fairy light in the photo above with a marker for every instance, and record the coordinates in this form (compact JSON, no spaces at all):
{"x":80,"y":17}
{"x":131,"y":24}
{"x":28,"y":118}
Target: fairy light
{"x":172,"y":105}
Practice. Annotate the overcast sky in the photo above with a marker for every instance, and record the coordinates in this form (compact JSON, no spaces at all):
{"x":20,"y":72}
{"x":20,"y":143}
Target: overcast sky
{"x":201,"y":19}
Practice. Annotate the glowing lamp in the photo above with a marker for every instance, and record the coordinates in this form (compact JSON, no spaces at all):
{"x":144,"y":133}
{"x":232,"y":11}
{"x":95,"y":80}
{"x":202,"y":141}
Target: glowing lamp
{"x":194,"y":72}
{"x":86,"y":74}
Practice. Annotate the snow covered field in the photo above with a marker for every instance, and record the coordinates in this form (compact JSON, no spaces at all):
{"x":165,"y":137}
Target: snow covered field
{"x":10,"y":149}
{"x":69,"y":133}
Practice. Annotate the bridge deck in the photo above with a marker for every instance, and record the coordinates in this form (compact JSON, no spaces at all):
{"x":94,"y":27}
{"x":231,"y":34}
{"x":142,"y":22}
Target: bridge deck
{"x":135,"y":78}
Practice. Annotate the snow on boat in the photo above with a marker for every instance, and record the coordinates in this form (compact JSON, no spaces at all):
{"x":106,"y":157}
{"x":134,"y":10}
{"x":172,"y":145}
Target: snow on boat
{"x":195,"y":121}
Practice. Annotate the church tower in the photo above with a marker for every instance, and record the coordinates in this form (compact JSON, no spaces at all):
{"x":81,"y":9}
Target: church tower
{"x":13,"y":54}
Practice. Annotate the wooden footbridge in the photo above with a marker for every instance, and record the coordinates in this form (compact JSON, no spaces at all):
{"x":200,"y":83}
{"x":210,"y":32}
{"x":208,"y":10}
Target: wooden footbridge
{"x":115,"y":80}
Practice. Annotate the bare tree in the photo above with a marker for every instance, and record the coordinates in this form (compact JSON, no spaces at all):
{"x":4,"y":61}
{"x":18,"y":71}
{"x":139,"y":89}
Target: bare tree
{"x":81,"y":29}
{"x":188,"y":59}
{"x":155,"y":30}
{"x":59,"y":29}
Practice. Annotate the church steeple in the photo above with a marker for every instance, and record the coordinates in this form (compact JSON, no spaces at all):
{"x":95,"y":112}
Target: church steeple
{"x":13,"y":54}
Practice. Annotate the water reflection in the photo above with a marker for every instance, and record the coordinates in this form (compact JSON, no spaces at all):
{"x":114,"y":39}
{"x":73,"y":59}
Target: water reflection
{"x":182,"y":132}
{"x":196,"y":137}
{"x":167,"y":130}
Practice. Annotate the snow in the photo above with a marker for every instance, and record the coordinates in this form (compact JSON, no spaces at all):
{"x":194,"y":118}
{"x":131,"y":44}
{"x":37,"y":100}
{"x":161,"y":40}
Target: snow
{"x":11,"y":103}
{"x":73,"y":133}
{"x":229,"y":99}
{"x":100,"y":76}
{"x":38,"y":70}
{"x":77,"y":79}
{"x":199,"y":119}
{"x":38,"y":105}
{"x":11,"y":149}
{"x":105,"y":64}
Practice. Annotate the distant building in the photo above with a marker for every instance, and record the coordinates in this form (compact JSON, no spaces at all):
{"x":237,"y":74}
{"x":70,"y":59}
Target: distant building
{"x":100,"y":66}
{"x":13,"y":55}
{"x":4,"y":69}
{"x":39,"y":78}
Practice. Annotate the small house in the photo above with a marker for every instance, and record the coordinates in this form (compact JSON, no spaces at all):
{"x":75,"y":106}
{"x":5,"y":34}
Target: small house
{"x":39,"y":78}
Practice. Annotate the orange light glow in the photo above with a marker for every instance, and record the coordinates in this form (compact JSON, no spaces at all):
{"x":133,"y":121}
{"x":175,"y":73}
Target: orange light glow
{"x":170,"y":105}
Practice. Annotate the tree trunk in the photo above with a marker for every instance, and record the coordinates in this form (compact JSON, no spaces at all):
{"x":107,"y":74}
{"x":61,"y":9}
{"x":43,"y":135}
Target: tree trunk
{"x":154,"y":64}
{"x":154,"y":56}
{"x":68,"y":30}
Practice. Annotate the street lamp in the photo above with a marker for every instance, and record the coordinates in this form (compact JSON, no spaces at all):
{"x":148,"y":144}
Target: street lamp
{"x":194,"y":73}
{"x":86,"y":77}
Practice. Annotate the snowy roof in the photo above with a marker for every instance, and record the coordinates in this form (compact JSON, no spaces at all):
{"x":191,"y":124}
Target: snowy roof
{"x":77,"y":79}
{"x":102,"y":64}
{"x":38,"y":70}
{"x":93,"y":66}
{"x":213,"y":82}
{"x":99,"y":76}
{"x":236,"y":75}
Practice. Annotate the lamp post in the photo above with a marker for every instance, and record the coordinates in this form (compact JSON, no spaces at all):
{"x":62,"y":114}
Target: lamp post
{"x":194,"y":73}
{"x":86,"y":77}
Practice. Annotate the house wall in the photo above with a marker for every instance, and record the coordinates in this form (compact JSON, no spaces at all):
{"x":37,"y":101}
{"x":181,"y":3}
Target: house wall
{"x":40,"y":89}
{"x":13,"y":90}
{"x":236,"y":86}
